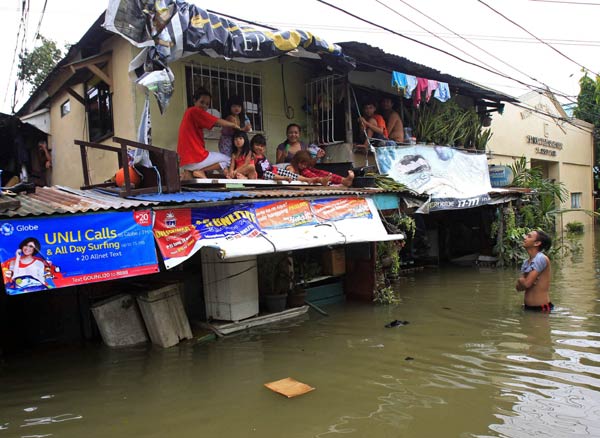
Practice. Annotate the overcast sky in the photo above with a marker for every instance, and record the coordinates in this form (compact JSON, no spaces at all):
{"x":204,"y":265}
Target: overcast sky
{"x":569,"y":26}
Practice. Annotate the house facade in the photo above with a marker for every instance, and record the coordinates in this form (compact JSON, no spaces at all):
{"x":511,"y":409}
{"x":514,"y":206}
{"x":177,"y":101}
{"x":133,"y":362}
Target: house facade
{"x":562,"y":147}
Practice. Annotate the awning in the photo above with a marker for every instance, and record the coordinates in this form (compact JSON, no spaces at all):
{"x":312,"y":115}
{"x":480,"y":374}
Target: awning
{"x":267,"y":227}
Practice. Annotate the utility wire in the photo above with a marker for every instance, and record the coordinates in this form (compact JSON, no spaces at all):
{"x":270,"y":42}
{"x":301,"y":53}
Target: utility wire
{"x":531,"y":87}
{"x":12,"y":64}
{"x":540,"y":40}
{"x":37,"y":31}
{"x":568,"y":3}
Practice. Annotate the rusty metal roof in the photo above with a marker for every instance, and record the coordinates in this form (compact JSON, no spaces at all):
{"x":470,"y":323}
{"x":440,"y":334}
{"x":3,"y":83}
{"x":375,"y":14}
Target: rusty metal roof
{"x":61,"y":200}
{"x":65,"y":200}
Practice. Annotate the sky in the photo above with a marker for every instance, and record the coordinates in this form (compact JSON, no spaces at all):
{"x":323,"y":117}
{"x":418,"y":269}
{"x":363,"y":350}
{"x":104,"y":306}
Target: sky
{"x":466,"y":29}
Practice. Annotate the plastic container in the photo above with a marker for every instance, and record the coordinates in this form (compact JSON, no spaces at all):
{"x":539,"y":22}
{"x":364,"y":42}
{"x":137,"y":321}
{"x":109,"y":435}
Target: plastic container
{"x":230,"y":286}
{"x":164,"y":315}
{"x":119,"y":321}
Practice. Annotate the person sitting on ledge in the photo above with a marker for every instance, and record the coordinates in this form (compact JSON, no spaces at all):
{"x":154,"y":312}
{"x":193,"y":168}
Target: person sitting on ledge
{"x":195,"y":160}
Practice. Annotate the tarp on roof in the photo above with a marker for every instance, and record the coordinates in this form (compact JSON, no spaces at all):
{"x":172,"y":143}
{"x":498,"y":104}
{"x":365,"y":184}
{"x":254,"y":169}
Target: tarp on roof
{"x":453,"y":179}
{"x":169,"y":30}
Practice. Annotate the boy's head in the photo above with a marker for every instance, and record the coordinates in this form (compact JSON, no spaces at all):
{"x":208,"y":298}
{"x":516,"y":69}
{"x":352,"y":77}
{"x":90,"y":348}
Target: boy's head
{"x":369,"y":107}
{"x":537,"y":238}
{"x":387,"y":103}
{"x":302,"y":160}
{"x":258,"y":144}
{"x":202,"y":98}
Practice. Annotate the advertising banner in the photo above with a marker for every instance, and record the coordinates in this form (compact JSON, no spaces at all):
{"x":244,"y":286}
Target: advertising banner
{"x":453,"y":179}
{"x":182,"y":232}
{"x":42,"y":253}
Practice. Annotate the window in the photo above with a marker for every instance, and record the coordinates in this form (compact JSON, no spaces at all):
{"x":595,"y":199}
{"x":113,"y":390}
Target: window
{"x":576,"y":200}
{"x":99,"y":111}
{"x":65,"y":108}
{"x":325,"y":109}
{"x":223,"y":83}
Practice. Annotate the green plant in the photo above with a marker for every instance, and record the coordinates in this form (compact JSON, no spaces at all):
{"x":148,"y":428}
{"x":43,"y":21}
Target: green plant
{"x":273,"y":274}
{"x":386,"y":295}
{"x":407,"y":224}
{"x":575,"y":227}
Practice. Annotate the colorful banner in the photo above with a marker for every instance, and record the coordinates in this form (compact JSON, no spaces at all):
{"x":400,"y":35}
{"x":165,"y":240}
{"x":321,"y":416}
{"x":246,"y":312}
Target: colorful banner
{"x":38,"y":254}
{"x":453,"y":179}
{"x":181,"y":232}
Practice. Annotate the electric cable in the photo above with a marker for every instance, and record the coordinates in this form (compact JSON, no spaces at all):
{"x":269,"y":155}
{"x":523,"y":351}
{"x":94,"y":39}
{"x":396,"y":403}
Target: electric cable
{"x":540,"y":40}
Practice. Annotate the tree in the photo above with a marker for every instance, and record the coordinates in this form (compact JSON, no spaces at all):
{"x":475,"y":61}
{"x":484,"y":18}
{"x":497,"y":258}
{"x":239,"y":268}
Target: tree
{"x":35,"y":66}
{"x":588,"y":109}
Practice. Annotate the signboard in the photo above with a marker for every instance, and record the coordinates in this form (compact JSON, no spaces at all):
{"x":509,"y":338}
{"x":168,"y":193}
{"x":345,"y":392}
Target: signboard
{"x":500,"y":176}
{"x":182,"y":232}
{"x":38,"y":254}
{"x":453,"y":179}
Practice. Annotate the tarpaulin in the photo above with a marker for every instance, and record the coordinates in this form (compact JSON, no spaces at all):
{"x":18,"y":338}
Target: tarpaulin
{"x":453,"y":179}
{"x":265,"y":227}
{"x":38,"y":253}
{"x":171,"y":29}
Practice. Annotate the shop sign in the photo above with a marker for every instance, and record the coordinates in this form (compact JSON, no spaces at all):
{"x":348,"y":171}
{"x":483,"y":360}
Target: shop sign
{"x":181,"y":232}
{"x":500,"y":176}
{"x":39,"y":254}
{"x":545,"y":146}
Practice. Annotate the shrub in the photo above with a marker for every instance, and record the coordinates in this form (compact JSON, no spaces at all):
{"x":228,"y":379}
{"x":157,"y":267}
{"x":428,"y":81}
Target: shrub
{"x":575,"y":227}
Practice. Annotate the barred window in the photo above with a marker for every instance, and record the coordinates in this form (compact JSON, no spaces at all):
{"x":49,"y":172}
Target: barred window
{"x":99,"y":111}
{"x":576,"y":200}
{"x":223,"y":83}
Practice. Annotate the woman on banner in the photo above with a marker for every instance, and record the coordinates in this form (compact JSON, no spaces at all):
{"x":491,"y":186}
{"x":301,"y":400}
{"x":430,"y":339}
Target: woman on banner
{"x":28,"y":270}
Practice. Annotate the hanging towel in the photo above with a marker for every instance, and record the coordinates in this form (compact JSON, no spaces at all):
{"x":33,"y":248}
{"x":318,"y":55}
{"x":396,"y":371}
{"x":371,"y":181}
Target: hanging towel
{"x":431,"y":87}
{"x":421,"y":87}
{"x":411,"y":84}
{"x":399,"y":80}
{"x":443,"y":92}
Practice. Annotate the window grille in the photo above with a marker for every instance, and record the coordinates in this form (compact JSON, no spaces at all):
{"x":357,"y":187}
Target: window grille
{"x":99,"y":111}
{"x":322,"y":96}
{"x":576,"y":200}
{"x":223,"y":83}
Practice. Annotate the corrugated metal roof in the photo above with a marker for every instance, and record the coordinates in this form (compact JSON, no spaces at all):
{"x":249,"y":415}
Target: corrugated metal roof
{"x":60,"y":200}
{"x":63,"y":200}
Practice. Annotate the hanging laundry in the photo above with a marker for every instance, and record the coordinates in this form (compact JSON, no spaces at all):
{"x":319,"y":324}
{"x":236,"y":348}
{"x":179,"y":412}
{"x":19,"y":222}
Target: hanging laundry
{"x":443,"y":92}
{"x":411,"y":82}
{"x":421,"y":87}
{"x":431,"y":87}
{"x":399,"y":80}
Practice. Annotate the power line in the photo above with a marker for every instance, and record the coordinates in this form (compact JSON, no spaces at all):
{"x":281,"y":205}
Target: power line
{"x":531,"y":87}
{"x":540,"y":40}
{"x":37,"y":31}
{"x":568,"y":3}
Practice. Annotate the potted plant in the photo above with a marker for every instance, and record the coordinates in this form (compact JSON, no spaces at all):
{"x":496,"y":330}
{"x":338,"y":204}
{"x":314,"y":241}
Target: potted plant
{"x":305,"y":269}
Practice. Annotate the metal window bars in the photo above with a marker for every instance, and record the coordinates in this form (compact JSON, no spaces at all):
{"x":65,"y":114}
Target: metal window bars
{"x":320,"y":109}
{"x":223,"y":83}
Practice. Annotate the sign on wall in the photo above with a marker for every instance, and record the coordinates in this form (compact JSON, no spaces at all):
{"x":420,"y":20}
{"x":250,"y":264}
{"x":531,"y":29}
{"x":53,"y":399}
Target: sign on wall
{"x":501,"y":176}
{"x":38,"y":254}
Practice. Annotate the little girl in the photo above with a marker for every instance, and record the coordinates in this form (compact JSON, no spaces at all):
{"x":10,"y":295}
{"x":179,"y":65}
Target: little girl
{"x":303,"y":164}
{"x":266,"y":170}
{"x":233,"y":112}
{"x":242,"y":159}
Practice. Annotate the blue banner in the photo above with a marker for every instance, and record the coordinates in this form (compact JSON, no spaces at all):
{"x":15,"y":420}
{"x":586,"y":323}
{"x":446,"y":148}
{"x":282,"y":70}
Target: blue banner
{"x":51,"y":252}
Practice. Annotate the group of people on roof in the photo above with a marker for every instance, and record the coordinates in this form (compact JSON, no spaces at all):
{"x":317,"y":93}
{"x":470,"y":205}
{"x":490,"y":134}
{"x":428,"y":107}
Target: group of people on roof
{"x":240,"y":157}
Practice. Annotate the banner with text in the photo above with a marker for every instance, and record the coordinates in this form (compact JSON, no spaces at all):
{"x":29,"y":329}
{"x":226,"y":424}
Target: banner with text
{"x":182,"y":232}
{"x":43,"y":253}
{"x":453,"y":179}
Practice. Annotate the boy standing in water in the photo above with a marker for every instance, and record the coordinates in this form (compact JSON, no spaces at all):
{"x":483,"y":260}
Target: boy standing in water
{"x":535,"y":273}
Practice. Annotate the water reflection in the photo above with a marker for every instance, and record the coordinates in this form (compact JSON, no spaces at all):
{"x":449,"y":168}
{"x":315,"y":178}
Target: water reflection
{"x":470,"y":363}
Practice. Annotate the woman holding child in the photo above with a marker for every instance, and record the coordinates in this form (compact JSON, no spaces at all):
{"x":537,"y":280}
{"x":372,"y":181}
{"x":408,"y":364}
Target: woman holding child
{"x":287,"y":149}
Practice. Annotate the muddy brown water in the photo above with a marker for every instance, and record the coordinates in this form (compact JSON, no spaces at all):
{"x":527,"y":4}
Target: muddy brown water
{"x":470,"y":363}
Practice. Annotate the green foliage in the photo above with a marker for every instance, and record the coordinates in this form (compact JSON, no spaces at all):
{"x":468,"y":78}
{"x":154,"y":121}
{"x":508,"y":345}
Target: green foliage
{"x":575,"y":227}
{"x":588,"y":109}
{"x":35,"y":66}
{"x":449,"y":124}
{"x":386,"y":295}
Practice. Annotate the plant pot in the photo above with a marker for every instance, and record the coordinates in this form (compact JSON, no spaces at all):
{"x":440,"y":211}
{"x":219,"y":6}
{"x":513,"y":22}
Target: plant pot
{"x":296,"y":299}
{"x":275,"y":303}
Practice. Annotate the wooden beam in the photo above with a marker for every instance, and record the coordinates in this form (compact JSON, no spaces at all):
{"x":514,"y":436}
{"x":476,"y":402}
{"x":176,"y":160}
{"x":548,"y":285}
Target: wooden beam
{"x":76,"y":96}
{"x":96,"y":70}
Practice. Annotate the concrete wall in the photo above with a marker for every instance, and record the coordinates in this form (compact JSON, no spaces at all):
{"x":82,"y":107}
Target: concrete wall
{"x":67,"y":167}
{"x":572,"y":162}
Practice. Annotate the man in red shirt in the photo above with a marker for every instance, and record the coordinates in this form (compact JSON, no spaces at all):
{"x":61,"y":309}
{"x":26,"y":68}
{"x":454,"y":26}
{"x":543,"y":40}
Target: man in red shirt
{"x":194,"y":159}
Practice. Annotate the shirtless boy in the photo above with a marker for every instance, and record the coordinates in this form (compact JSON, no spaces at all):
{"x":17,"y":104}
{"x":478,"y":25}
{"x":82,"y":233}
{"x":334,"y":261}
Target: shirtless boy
{"x":393,"y":121}
{"x":535,"y":272}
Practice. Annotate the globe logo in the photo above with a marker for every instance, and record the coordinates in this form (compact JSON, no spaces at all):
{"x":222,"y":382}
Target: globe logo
{"x":6,"y":229}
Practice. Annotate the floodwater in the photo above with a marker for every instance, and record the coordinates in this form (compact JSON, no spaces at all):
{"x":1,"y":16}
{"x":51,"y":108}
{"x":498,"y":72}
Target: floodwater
{"x":470,"y":363}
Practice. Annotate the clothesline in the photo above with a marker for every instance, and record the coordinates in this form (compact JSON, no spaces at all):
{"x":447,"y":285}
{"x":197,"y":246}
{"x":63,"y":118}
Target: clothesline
{"x":409,"y":85}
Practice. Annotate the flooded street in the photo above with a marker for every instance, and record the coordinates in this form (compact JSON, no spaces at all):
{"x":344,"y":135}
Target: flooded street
{"x":470,"y":363}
